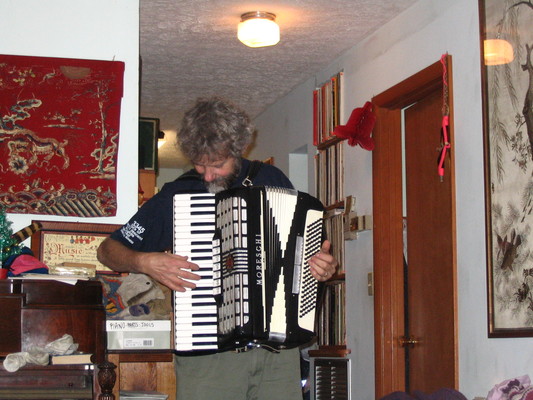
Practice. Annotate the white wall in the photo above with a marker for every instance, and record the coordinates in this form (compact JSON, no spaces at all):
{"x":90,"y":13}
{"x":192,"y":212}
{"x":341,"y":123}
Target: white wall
{"x":98,"y":30}
{"x":294,"y":127}
{"x":166,"y":175}
{"x":411,"y":42}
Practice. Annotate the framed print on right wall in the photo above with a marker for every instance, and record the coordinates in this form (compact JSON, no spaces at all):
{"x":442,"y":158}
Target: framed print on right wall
{"x":507,"y":88}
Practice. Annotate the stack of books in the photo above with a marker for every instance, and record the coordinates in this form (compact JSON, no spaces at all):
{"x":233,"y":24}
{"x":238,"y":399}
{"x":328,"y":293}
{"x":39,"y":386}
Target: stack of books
{"x":75,"y":358}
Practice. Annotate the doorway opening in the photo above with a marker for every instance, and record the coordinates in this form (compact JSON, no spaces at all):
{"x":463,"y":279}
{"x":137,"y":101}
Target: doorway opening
{"x":298,"y":173}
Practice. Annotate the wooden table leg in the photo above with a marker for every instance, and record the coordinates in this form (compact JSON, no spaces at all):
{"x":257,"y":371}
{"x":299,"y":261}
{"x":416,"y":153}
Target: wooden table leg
{"x":106,"y":380}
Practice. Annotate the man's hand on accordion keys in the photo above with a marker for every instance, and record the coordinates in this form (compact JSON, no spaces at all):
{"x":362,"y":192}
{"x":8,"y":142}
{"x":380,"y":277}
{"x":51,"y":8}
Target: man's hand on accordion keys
{"x":323,"y":264}
{"x":172,"y":270}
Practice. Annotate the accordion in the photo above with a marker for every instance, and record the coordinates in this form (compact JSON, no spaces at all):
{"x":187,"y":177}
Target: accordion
{"x":252,"y":245}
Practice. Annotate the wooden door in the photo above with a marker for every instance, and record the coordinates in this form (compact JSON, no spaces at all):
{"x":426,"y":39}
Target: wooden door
{"x":430,"y":248}
{"x":425,"y":241}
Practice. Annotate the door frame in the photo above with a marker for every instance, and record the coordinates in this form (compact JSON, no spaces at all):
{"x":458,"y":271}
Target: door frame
{"x":388,"y":231}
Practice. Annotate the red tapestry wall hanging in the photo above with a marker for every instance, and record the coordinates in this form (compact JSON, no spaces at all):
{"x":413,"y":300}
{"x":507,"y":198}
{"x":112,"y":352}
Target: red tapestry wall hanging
{"x":59,"y":131}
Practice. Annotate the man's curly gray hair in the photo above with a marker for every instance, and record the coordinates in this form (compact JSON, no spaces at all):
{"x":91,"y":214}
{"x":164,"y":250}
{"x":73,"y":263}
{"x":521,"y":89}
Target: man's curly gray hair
{"x":214,"y":128}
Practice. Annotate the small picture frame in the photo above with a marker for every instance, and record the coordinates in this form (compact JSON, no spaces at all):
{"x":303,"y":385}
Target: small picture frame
{"x":148,"y":136}
{"x":72,"y":242}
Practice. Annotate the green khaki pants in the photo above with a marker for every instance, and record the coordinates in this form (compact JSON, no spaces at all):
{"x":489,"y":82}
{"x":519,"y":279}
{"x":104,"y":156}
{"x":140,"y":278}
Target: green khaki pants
{"x":253,"y":375}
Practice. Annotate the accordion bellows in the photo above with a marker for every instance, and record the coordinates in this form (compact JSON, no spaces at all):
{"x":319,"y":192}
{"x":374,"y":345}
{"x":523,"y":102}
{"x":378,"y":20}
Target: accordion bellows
{"x":252,"y":245}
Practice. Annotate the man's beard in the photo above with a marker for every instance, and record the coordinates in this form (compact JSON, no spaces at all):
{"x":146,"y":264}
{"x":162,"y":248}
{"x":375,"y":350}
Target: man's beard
{"x":224,"y":182}
{"x":220,"y":184}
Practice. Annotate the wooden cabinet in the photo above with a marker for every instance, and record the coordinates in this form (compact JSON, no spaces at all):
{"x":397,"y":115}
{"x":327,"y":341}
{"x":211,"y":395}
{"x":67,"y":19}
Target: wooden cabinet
{"x":144,"y":370}
{"x":50,"y":382}
{"x":37,"y":312}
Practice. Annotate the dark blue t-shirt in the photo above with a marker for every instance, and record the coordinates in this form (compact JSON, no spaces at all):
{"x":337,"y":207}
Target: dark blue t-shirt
{"x":151,"y":228}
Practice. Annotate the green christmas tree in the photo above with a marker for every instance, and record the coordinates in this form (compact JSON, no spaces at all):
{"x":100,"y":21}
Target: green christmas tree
{"x":8,"y":245}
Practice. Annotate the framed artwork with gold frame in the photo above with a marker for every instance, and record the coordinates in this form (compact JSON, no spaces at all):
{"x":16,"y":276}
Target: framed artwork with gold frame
{"x":71,"y":242}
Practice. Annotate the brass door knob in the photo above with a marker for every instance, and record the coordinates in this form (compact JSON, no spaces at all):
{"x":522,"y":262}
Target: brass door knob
{"x":408,"y":341}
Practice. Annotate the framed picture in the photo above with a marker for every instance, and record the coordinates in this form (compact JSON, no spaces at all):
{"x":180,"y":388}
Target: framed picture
{"x":59,"y":242}
{"x":148,"y":136}
{"x":507,"y":70}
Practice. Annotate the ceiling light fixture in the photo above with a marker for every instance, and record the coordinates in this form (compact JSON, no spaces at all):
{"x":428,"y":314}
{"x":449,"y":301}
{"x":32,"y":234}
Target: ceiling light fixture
{"x":258,"y":29}
{"x":497,"y":52}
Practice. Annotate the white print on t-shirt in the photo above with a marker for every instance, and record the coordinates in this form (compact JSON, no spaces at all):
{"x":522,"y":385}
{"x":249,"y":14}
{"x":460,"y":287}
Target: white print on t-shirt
{"x":133,"y":230}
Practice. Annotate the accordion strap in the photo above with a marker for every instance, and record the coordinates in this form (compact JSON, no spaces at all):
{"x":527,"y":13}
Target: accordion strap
{"x":254,"y":168}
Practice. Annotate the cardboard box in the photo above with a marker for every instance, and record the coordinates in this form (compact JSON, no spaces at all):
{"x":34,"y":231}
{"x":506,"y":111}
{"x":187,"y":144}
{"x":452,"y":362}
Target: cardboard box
{"x":138,"y":335}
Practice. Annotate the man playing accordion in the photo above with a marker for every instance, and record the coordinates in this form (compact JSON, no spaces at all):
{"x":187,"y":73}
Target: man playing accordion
{"x":214,"y":136}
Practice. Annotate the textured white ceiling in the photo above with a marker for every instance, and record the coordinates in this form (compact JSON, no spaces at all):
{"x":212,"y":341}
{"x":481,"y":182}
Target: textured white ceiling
{"x":189,"y":49}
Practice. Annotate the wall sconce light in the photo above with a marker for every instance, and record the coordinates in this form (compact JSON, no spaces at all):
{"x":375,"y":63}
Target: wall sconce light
{"x":160,"y":139}
{"x":258,"y":29}
{"x":497,"y":52}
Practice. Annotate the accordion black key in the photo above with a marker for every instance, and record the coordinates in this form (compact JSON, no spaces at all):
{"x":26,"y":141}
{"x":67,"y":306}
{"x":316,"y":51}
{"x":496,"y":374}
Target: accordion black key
{"x":253,"y":246}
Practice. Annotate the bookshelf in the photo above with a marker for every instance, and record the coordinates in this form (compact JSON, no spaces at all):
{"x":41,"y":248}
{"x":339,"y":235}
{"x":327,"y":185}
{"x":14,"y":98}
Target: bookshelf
{"x":327,"y":102}
{"x":329,"y":188}
{"x":330,"y":358}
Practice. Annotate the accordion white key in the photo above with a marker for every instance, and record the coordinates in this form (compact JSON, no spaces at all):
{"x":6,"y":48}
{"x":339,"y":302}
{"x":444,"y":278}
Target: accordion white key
{"x":252,"y":245}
